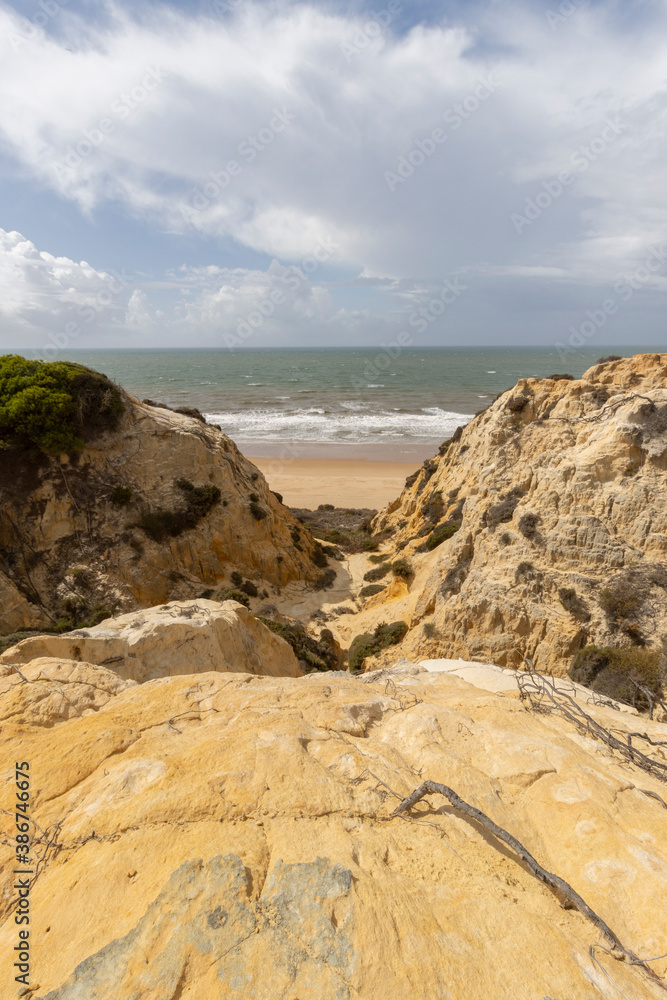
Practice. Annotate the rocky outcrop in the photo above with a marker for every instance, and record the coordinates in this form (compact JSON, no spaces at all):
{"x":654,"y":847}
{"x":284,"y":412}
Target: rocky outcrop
{"x":190,"y":637}
{"x":163,"y":507}
{"x":542,"y":526}
{"x":241,"y":827}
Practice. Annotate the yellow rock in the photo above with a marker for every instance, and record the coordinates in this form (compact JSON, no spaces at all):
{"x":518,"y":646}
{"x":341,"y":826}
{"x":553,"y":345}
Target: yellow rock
{"x":85,"y":548}
{"x":560,"y":491}
{"x":187,"y":637}
{"x":229,"y":837}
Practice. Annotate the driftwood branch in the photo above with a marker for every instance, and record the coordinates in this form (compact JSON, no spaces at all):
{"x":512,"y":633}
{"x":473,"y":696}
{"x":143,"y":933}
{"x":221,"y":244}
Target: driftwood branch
{"x":554,"y":881}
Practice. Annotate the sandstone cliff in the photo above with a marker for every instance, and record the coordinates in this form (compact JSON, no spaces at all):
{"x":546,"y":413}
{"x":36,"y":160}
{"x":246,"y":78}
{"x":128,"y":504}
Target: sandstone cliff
{"x":229,"y":836}
{"x":541,"y":527}
{"x":162,"y":507}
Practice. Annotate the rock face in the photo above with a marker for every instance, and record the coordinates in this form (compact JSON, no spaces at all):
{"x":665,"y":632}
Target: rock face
{"x":247,"y":850}
{"x":70,"y":540}
{"x":551,"y":510}
{"x":191,"y":637}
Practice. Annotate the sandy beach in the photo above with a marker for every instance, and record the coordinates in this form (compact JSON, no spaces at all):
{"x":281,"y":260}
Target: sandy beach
{"x":345,"y":483}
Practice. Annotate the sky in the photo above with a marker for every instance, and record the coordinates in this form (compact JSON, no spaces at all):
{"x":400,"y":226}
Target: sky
{"x":251,"y":173}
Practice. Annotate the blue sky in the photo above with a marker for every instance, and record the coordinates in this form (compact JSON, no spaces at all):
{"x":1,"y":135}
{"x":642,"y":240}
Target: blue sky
{"x":240,"y":173}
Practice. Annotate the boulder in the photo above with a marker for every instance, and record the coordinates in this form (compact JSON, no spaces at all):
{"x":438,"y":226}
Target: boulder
{"x":188,"y":637}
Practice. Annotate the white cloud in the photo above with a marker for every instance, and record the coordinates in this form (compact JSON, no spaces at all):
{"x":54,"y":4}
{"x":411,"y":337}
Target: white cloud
{"x":256,"y":126}
{"x":42,"y":296}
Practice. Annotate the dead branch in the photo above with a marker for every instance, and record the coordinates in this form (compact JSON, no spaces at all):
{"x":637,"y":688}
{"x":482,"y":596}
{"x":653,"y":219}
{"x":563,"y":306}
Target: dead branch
{"x":554,"y":881}
{"x":543,"y":696}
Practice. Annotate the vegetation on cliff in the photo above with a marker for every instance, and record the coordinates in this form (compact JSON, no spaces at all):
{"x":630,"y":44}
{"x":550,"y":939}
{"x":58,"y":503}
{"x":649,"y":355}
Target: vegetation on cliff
{"x":54,"y":407}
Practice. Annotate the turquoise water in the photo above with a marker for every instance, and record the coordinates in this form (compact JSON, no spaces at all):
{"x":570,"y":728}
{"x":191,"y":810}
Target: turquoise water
{"x":333,"y":403}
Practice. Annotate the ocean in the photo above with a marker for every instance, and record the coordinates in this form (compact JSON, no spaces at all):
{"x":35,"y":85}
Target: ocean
{"x":333,"y":403}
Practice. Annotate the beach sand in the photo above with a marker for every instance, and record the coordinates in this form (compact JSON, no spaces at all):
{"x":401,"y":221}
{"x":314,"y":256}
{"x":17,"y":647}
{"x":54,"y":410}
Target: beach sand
{"x":305,"y":482}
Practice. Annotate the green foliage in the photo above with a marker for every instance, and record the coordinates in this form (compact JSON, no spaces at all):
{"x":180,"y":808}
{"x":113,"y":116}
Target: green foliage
{"x":231,"y":594}
{"x":379,"y":559}
{"x":198,"y":502}
{"x":55,"y":406}
{"x":573,"y":603}
{"x":528,"y":525}
{"x":377,"y":574}
{"x":249,"y":588}
{"x":368,"y":644}
{"x":309,"y":651}
{"x":371,"y":590}
{"x":122,"y":496}
{"x":326,"y":580}
{"x":362,"y":646}
{"x":257,"y":511}
{"x":236,"y":578}
{"x":401,"y":567}
{"x":440,"y":535}
{"x":503,"y":511}
{"x":622,"y":602}
{"x":74,"y":621}
{"x":319,"y":557}
{"x":617,"y":670}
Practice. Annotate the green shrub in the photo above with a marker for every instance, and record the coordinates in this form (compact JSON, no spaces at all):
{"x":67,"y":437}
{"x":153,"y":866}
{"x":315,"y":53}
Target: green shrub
{"x":362,"y":646}
{"x":440,"y":535}
{"x":373,"y":588}
{"x":257,"y":511}
{"x":368,"y":644}
{"x":379,"y":559}
{"x":319,"y":558}
{"x":199,"y":501}
{"x":249,"y":588}
{"x":621,"y":603}
{"x":377,"y":574}
{"x":615,"y":671}
{"x":401,"y":567}
{"x":430,"y":631}
{"x":236,"y":578}
{"x":573,"y":603}
{"x":326,"y":580}
{"x":528,"y":525}
{"x":206,"y":595}
{"x":232,"y":594}
{"x":122,"y":496}
{"x":503,"y":511}
{"x":321,"y":655}
{"x":54,"y":406}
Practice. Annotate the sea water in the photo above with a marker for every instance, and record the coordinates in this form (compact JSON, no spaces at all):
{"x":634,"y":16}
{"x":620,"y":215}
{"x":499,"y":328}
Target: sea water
{"x":333,"y":403}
